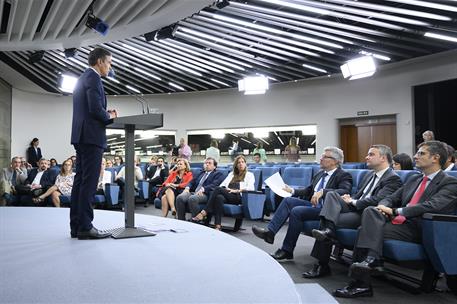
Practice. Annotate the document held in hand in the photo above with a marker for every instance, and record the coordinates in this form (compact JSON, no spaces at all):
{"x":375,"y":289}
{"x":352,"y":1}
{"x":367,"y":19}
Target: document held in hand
{"x":276,"y":185}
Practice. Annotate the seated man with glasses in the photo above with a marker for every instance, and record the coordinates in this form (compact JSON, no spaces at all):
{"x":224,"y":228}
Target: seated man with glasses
{"x":346,"y":211}
{"x":330,"y":178}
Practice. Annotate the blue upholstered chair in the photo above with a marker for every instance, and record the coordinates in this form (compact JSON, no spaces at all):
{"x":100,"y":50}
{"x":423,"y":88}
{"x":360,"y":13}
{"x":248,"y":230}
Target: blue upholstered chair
{"x":406,"y":174}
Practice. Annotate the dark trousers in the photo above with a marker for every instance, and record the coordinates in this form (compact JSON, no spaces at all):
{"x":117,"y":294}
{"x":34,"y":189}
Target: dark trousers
{"x":218,"y":198}
{"x":88,"y":164}
{"x":297,"y":216}
{"x":283,"y":211}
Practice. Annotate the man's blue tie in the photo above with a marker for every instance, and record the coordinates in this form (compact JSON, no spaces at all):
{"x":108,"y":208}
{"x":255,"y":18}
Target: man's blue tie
{"x":14,"y":178}
{"x":322,"y":182}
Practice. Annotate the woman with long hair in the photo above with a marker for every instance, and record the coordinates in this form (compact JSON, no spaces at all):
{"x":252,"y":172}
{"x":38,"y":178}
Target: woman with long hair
{"x":228,"y":192}
{"x":62,"y":185}
{"x":174,"y":185}
{"x":402,"y":161}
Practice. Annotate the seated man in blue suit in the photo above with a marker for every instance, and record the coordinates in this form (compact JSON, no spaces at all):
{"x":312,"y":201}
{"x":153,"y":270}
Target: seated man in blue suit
{"x":199,"y":189}
{"x":346,"y":212}
{"x":399,"y":215}
{"x":88,"y":136}
{"x":330,"y":178}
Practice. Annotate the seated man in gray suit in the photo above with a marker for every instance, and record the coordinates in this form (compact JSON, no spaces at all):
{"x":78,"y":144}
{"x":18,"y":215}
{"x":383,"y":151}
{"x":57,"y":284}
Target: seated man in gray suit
{"x":346,"y":211}
{"x":399,"y":215}
{"x":199,"y":189}
{"x":11,"y":177}
{"x":330,"y":178}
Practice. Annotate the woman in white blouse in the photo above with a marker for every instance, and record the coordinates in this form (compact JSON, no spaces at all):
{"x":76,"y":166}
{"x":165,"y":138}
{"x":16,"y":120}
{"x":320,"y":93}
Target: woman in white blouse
{"x":105,"y":178}
{"x":228,"y":192}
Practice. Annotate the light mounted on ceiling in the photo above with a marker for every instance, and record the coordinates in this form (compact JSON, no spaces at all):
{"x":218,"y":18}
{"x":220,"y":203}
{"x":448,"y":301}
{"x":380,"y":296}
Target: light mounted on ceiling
{"x":67,"y":83}
{"x":69,"y":53}
{"x":222,"y":3}
{"x":96,"y":23}
{"x":359,"y":68}
{"x":36,"y":57}
{"x":253,"y":85}
{"x":163,"y":33}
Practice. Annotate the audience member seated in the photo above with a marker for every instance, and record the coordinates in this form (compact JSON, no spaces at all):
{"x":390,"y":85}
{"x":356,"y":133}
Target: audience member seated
{"x":152,"y":161}
{"x":213,"y":151}
{"x":292,"y":150}
{"x":199,"y":189}
{"x":399,"y":216}
{"x":346,"y":211}
{"x":62,"y":185}
{"x":25,"y":165}
{"x":38,"y":180}
{"x":34,"y":153}
{"x":53,"y":163}
{"x":450,"y":162}
{"x":118,"y":161}
{"x":257,"y":159}
{"x":402,"y":161}
{"x":11,"y":177}
{"x":228,"y":192}
{"x":104,"y":178}
{"x":330,"y":178}
{"x":172,"y":163}
{"x":73,"y":159}
{"x":428,"y":135}
{"x":174,"y":185}
{"x":120,"y":177}
{"x":259,"y":149}
{"x":109,"y":163}
{"x":184,"y":150}
{"x":156,"y":174}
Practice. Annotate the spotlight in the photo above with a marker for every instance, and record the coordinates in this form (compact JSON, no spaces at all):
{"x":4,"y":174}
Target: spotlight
{"x":163,"y":33}
{"x":36,"y":57}
{"x":70,"y":52}
{"x":97,"y":24}
{"x":222,"y":3}
{"x":359,"y":68}
{"x":253,"y":85}
{"x":67,"y":83}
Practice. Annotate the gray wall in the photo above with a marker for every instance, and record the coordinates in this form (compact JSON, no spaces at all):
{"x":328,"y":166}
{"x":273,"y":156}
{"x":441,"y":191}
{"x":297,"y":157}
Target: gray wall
{"x":318,"y":101}
{"x":5,"y":123}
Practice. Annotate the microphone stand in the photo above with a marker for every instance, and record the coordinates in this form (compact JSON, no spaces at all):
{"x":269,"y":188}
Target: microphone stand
{"x":143,"y":102}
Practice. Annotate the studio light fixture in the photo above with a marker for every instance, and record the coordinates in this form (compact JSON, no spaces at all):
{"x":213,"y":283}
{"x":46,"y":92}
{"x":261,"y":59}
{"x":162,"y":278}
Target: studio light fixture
{"x":253,"y":85}
{"x":163,"y":33}
{"x":359,"y":68}
{"x":36,"y":57}
{"x":67,"y":83}
{"x":441,"y":36}
{"x":69,"y":53}
{"x":96,"y":23}
{"x":222,"y":3}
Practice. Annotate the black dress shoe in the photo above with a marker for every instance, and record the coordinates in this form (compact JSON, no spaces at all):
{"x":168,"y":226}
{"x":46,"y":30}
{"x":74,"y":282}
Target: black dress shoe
{"x":93,"y":233}
{"x":264,"y":234}
{"x":282,"y":255}
{"x":323,"y":235}
{"x":318,"y":271}
{"x":73,"y":234}
{"x":369,"y":265}
{"x":353,"y":292}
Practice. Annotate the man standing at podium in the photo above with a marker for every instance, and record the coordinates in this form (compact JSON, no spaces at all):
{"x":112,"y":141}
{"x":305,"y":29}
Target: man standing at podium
{"x":88,"y":136}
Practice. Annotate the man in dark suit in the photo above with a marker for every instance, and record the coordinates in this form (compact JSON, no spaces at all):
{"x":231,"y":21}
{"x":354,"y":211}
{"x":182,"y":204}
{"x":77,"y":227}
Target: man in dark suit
{"x":88,"y":136}
{"x":346,"y":211}
{"x":399,"y":215}
{"x":155,"y":175}
{"x":199,"y":189}
{"x":449,"y":165}
{"x":330,"y":178}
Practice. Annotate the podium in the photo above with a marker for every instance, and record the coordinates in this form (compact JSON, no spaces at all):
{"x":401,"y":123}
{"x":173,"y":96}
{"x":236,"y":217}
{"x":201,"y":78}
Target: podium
{"x":130,"y":124}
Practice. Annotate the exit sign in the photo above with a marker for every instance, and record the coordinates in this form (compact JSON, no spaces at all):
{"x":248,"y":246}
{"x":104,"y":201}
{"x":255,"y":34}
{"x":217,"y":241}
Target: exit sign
{"x":362,"y":113}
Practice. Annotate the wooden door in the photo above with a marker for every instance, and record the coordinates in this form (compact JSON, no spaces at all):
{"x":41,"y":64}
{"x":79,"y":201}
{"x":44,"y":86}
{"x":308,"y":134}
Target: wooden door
{"x":348,"y":142}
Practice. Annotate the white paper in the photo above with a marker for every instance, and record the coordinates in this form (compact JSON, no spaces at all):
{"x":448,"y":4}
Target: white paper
{"x":276,"y":184}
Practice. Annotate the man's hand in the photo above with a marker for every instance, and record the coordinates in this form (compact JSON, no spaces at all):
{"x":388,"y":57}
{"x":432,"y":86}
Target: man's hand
{"x":386,"y":211}
{"x":287,"y":188}
{"x":200,"y":192}
{"x":186,"y":190}
{"x":347,"y":198}
{"x":316,"y":197}
{"x":233,"y":190}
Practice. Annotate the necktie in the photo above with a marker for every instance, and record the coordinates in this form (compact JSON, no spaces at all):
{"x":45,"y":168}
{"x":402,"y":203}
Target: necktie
{"x":202,"y":180}
{"x":14,"y":178}
{"x":400,"y":219}
{"x":322,"y":182}
{"x":370,"y":187}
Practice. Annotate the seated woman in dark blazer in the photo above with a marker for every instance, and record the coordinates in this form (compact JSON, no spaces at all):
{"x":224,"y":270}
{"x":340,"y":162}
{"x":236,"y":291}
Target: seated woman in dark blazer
{"x":178,"y":179}
{"x":228,"y":192}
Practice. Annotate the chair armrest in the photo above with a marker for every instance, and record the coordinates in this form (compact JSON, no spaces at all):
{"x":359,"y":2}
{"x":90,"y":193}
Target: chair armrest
{"x":440,"y":217}
{"x":112,"y":194}
{"x":253,"y":203}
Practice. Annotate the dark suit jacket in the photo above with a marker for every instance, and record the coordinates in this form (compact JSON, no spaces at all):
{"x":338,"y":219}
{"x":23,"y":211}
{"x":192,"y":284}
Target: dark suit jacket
{"x":387,"y":185}
{"x":47,"y":179}
{"x":340,"y":181}
{"x":214,"y":179}
{"x":151,"y":170}
{"x":33,"y":156}
{"x":440,"y":196}
{"x":89,"y":111}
